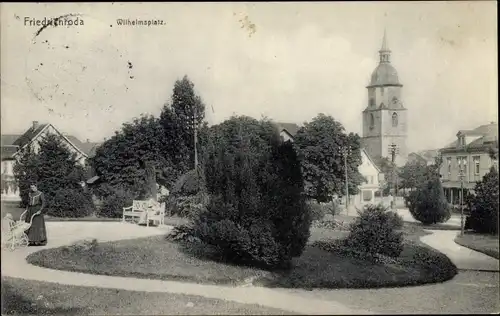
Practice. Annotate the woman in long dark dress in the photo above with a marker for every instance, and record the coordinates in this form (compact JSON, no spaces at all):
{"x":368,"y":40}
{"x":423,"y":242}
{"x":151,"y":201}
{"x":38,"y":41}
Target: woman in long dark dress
{"x":37,"y":233}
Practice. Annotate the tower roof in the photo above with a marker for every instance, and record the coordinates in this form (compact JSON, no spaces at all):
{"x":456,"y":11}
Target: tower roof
{"x":385,"y":74}
{"x":385,"y":47}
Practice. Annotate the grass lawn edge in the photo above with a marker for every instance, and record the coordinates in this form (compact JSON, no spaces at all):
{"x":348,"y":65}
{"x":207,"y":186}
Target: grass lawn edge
{"x":492,"y":254}
{"x":428,"y":276}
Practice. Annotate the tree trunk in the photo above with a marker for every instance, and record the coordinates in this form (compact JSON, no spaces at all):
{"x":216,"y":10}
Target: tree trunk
{"x":151,"y":181}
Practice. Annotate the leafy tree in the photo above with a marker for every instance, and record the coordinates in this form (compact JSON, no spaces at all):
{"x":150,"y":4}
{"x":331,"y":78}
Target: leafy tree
{"x":57,"y":173}
{"x":484,"y":212}
{"x":319,"y":146}
{"x":256,"y":212}
{"x":179,"y":120}
{"x":391,"y":174}
{"x":25,"y":172}
{"x":120,"y":160}
{"x":164,"y":144}
{"x":412,"y":174}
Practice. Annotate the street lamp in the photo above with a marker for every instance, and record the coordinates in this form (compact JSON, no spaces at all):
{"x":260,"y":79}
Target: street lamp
{"x":346,"y":150}
{"x":461,"y":175}
{"x":393,"y":150}
{"x":195,"y":135}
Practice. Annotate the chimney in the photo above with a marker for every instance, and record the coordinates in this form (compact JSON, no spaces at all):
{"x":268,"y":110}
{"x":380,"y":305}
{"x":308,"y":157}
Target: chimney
{"x":35,"y":125}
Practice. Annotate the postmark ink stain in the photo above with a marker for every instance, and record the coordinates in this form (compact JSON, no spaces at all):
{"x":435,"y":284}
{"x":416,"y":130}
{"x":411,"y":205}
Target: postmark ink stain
{"x":66,"y":46}
{"x":55,"y":21}
{"x":131,"y":77}
{"x":130,"y":66}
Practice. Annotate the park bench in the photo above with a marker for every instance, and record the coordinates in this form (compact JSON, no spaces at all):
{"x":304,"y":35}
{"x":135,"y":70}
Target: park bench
{"x":145,"y":212}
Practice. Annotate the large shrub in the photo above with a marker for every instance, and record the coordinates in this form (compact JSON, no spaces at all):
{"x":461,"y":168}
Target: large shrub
{"x":70,"y":203}
{"x":186,"y":206}
{"x":114,"y":203}
{"x":256,"y":213}
{"x":189,"y":183}
{"x":375,"y":231}
{"x":484,"y":205}
{"x":428,"y":204}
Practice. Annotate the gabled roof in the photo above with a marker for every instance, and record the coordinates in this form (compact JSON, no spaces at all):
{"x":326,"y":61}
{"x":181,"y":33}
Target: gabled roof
{"x":87,"y":147}
{"x":290,"y":128}
{"x":373,"y":161}
{"x":488,"y":135}
{"x":427,"y":155}
{"x":11,"y":143}
{"x":29,"y":135}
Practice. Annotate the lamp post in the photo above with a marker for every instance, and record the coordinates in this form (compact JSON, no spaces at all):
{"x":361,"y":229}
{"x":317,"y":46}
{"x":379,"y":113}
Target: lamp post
{"x":461,"y":175}
{"x":393,"y":150}
{"x":195,"y":134}
{"x":346,"y":150}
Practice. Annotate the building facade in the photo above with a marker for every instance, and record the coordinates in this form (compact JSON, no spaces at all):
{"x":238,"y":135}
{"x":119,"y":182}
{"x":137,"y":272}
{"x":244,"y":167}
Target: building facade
{"x":373,"y":175}
{"x":468,"y":158}
{"x":385,"y":117}
{"x":13,"y":144}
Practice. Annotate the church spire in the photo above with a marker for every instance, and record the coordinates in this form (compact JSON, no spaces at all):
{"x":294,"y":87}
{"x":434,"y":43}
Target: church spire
{"x":385,"y":52}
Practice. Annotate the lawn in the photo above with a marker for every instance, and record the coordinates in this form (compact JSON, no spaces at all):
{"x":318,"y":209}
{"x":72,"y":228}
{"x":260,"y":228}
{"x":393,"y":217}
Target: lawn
{"x":22,"y":297}
{"x":157,"y":258}
{"x":487,"y":244}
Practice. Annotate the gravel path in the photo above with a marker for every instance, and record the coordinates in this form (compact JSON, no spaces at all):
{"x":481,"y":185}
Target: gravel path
{"x":59,"y":234}
{"x":470,"y":291}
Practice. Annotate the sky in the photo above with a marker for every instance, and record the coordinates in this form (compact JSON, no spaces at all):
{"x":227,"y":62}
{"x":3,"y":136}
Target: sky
{"x":287,"y":61}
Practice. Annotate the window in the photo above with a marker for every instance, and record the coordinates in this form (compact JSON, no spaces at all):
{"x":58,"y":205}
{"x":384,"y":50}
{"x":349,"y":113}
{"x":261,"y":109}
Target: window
{"x":371,"y":179}
{"x":395,"y":100}
{"x":394,"y":119}
{"x":382,"y":91}
{"x":372,"y":102}
{"x":372,"y":121}
{"x":462,"y":140}
{"x":462,"y":166}
{"x":477,"y":164}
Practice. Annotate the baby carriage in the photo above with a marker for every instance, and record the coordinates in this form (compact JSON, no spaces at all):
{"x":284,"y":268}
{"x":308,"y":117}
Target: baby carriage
{"x":15,"y":234}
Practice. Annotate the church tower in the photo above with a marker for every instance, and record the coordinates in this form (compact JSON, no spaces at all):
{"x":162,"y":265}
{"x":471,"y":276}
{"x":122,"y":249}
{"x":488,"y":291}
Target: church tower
{"x":385,"y":117}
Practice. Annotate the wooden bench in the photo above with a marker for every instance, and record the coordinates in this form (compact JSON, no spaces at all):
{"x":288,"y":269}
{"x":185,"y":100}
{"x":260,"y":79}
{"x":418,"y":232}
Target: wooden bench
{"x":145,"y":211}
